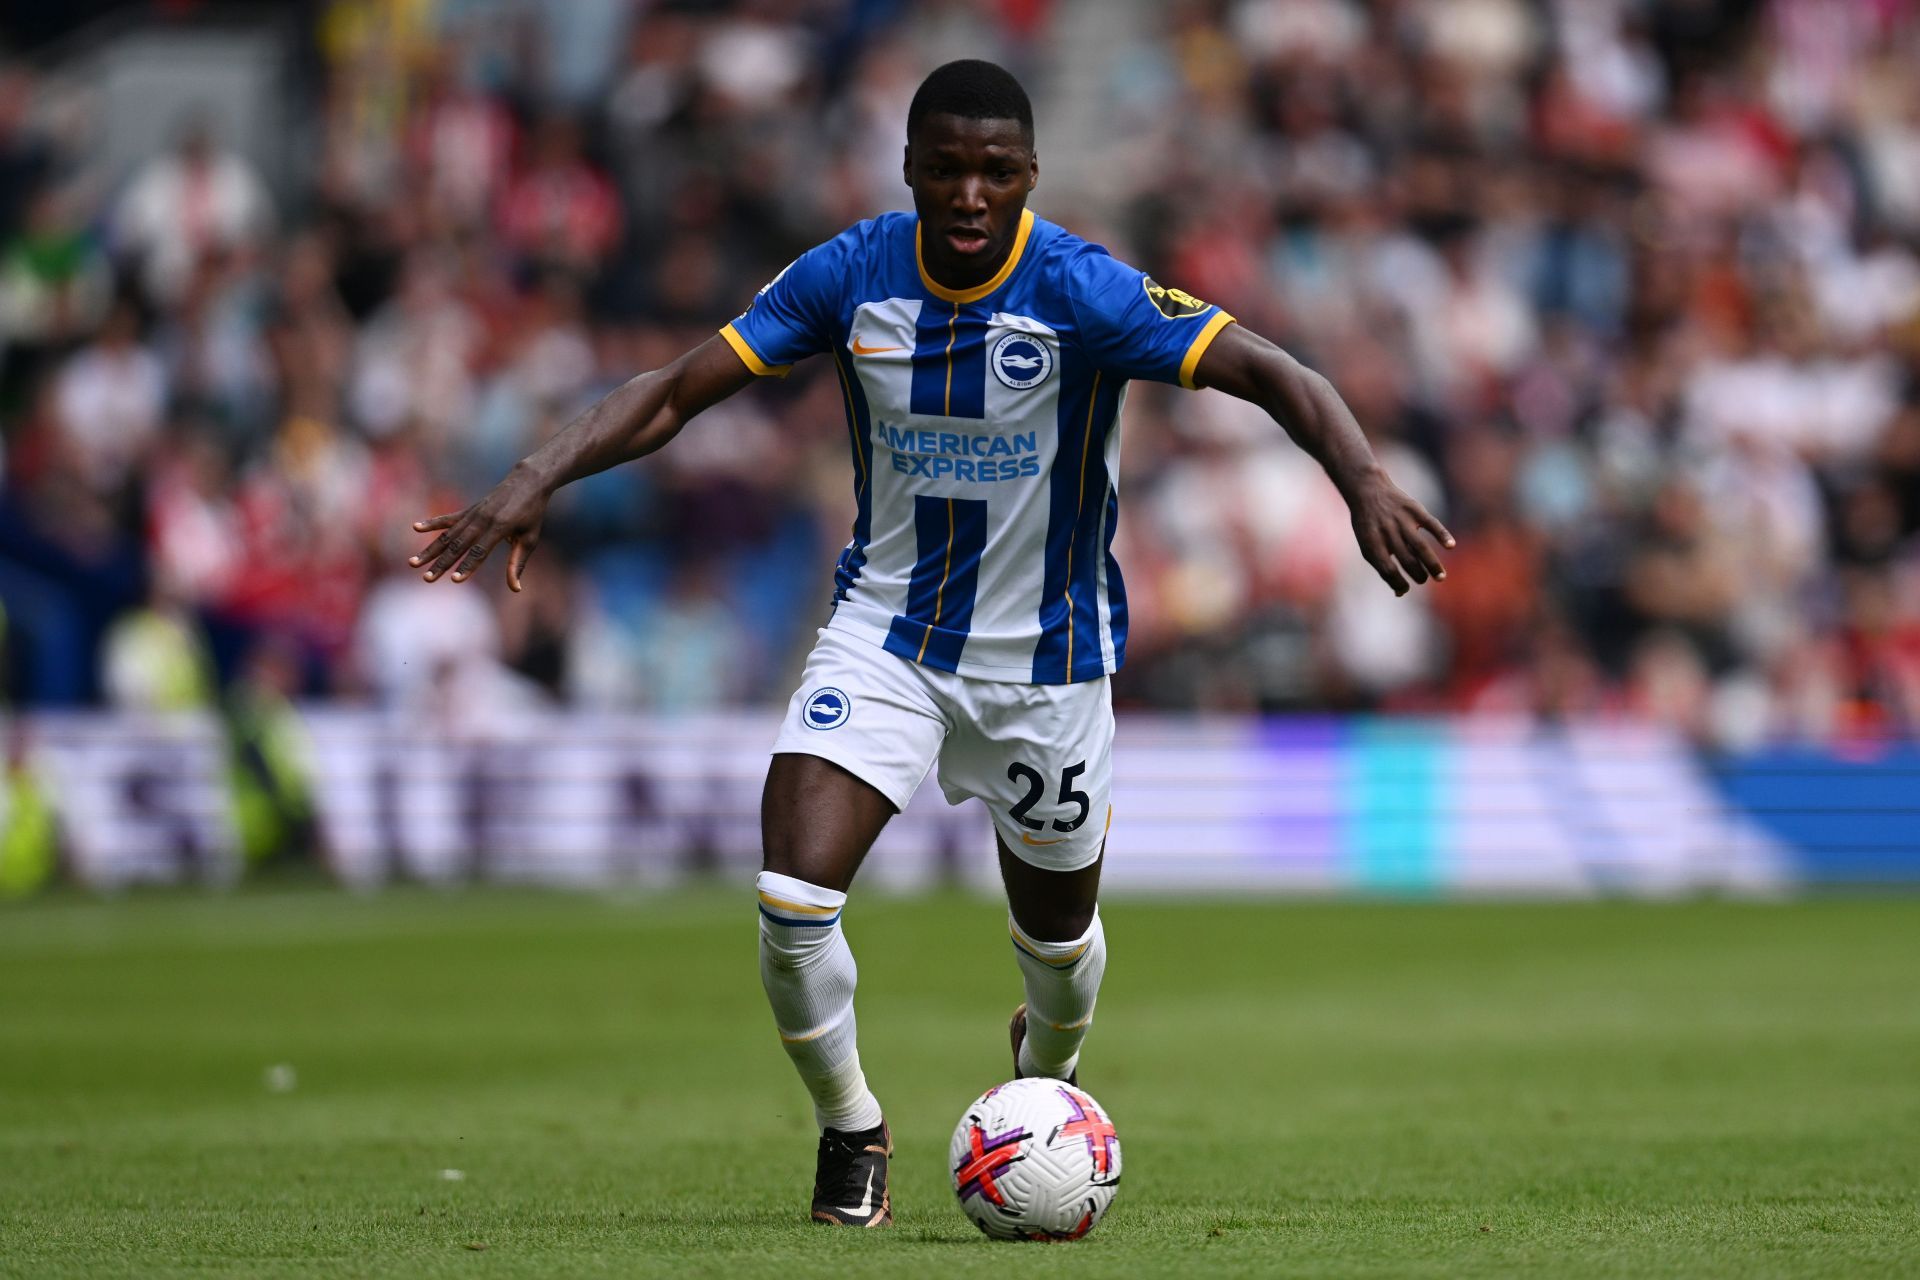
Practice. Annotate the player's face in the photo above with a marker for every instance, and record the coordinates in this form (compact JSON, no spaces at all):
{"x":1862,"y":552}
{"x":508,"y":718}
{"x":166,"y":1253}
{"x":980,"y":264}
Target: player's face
{"x":970,"y":180}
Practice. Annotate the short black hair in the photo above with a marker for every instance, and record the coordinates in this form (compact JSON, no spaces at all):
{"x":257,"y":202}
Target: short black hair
{"x":972,"y":90}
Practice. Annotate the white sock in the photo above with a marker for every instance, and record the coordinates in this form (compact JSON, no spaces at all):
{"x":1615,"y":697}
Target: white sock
{"x":1063,"y":982}
{"x":808,"y":971}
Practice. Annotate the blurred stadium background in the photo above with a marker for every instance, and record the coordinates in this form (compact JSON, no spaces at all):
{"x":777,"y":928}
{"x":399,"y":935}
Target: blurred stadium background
{"x":1628,"y":292}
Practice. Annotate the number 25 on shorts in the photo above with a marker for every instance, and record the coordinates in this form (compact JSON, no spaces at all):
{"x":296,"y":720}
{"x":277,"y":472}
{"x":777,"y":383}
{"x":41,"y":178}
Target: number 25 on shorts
{"x":1029,"y":777}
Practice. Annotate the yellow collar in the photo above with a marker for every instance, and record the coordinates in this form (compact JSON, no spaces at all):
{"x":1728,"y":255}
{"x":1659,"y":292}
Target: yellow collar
{"x":979,"y":291}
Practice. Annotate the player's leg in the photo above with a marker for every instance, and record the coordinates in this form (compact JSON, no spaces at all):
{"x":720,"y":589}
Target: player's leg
{"x":817,"y":822}
{"x":1061,"y":948}
{"x":1041,"y":758}
{"x":859,"y":736}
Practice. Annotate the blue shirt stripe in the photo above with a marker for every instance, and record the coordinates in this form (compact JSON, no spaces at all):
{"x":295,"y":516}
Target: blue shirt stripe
{"x":1116,"y":588}
{"x":952,"y":536}
{"x":950,"y":360}
{"x":1069,"y":648}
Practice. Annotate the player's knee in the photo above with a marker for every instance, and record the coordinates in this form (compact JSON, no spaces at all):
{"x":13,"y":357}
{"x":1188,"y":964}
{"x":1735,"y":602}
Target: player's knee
{"x":1054,"y":921}
{"x":792,"y":854}
{"x":778,"y":856}
{"x":1052,"y":906}
{"x":785,"y":850}
{"x":817,"y":821}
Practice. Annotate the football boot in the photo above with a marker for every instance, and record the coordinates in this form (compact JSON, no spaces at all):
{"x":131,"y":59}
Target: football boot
{"x":850,"y":1178}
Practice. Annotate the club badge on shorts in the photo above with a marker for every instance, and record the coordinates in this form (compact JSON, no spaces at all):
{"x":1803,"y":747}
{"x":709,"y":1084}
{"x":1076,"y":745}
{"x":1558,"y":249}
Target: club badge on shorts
{"x":827,"y":708}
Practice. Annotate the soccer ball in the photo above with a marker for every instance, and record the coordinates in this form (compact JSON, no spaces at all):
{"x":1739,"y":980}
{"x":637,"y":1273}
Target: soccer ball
{"x":1035,"y":1160}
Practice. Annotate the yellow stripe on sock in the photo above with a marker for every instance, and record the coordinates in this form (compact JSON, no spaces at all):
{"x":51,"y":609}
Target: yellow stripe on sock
{"x":1027,"y":945}
{"x":811,"y":1035}
{"x":798,"y":908}
{"x":1072,"y":1026}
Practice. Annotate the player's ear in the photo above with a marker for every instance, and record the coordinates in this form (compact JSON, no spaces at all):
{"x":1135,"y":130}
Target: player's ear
{"x":906,"y":163}
{"x":1033,"y":170}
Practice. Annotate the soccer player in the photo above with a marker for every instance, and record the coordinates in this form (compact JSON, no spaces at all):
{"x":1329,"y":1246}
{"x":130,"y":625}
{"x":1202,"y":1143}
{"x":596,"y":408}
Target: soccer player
{"x":982,"y":354}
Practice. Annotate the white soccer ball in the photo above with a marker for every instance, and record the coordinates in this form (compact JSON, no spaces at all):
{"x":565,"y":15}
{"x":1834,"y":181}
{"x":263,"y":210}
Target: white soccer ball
{"x":1035,"y":1160}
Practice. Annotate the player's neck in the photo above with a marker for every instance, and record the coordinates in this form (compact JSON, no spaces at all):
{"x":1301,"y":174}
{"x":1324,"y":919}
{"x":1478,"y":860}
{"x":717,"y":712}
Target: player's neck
{"x":968,"y":274}
{"x":956,"y":274}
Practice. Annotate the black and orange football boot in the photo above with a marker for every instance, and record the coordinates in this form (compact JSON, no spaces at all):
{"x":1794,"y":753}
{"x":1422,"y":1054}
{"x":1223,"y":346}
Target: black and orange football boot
{"x":850,"y":1178}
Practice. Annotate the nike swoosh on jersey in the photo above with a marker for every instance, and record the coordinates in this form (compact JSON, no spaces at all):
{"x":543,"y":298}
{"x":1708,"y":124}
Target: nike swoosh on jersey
{"x":866,"y":1203}
{"x":1027,"y":839}
{"x":871,"y":351}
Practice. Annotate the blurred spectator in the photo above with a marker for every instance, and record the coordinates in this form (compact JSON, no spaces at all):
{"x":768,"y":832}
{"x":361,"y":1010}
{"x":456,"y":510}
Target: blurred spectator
{"x":25,"y":156}
{"x":269,"y":761}
{"x":156,"y":660}
{"x":111,"y":397}
{"x":29,"y":827}
{"x":559,"y":211}
{"x":462,"y":141}
{"x":688,"y":648}
{"x":436,"y":651}
{"x":416,"y":355}
{"x":54,"y":282}
{"x":196,"y":200}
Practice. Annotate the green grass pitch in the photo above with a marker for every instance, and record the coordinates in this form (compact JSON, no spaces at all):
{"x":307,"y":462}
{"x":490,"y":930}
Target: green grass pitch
{"x":1310,"y":1089}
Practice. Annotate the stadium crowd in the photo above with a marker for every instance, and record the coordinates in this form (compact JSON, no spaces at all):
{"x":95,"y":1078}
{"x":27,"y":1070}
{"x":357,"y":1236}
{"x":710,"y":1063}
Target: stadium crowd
{"x":1627,"y":292}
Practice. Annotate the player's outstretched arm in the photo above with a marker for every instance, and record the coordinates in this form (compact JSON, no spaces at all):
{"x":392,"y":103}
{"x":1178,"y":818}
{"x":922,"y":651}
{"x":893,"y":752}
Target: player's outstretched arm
{"x":1396,"y":534}
{"x":632,"y":421}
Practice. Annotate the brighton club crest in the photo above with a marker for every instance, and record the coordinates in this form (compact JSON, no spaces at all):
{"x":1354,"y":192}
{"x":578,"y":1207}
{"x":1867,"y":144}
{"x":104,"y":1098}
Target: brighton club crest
{"x":827,"y":708}
{"x":1021,"y":361}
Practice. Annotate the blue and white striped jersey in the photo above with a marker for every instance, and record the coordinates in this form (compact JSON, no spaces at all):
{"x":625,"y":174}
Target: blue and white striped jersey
{"x":985,"y":432}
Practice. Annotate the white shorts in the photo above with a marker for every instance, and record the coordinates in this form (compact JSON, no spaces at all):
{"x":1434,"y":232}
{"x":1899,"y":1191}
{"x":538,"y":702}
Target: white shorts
{"x":1039,"y":755}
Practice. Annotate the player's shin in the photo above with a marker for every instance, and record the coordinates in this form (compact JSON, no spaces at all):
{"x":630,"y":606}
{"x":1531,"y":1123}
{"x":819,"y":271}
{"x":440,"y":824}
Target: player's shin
{"x":1063,"y":982}
{"x":808,"y":971}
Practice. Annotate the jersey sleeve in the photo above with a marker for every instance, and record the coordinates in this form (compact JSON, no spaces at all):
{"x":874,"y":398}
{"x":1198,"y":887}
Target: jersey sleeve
{"x":1135,"y":328}
{"x":789,"y":319}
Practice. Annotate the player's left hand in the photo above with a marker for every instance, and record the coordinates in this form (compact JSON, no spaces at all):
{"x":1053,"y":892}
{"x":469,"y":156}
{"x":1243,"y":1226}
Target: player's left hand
{"x":1397,"y":535}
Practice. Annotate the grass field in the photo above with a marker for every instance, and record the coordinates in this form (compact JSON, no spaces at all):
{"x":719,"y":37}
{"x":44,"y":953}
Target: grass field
{"x":1705,"y":1089}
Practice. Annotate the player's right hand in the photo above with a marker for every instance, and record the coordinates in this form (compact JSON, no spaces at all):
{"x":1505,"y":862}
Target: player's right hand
{"x":1396,"y":534}
{"x":513,"y":512}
